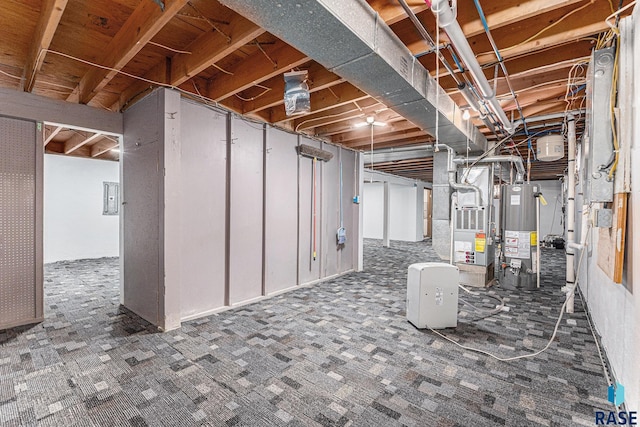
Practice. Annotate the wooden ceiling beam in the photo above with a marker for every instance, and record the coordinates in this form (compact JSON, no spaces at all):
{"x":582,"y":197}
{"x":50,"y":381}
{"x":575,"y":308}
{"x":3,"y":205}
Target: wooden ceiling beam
{"x":501,"y":14}
{"x":364,"y":132}
{"x":143,"y":24}
{"x":258,"y":67}
{"x":584,"y":23}
{"x":539,"y":108}
{"x":205,"y":51}
{"x":211,"y":47}
{"x":394,"y":137}
{"x":104,"y":145}
{"x":339,"y":114}
{"x":498,"y":14}
{"x":545,"y":42}
{"x":392,"y":13}
{"x":326,"y":99}
{"x":158,"y":73}
{"x":79,"y":140}
{"x":50,"y":13}
{"x":53,"y":134}
{"x":388,"y":116}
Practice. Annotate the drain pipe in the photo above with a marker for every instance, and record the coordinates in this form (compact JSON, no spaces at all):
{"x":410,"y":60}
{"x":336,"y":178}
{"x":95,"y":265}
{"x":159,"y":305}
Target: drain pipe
{"x":517,"y":160}
{"x":571,"y":210}
{"x":448,"y":23}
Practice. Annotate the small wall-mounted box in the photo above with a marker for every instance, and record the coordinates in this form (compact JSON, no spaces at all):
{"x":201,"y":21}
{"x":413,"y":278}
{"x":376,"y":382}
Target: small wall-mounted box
{"x":603,"y":218}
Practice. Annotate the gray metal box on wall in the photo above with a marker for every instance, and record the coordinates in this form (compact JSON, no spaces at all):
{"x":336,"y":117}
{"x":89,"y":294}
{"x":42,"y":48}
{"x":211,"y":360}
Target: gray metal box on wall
{"x":598,"y":141}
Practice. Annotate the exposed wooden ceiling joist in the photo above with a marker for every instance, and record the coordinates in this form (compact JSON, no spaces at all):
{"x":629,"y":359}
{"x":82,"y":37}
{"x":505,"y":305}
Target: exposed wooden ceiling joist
{"x":143,"y":24}
{"x":50,"y":14}
{"x":326,"y":99}
{"x":103,"y":146}
{"x":52,"y":134}
{"x":264,"y":64}
{"x":80,"y":139}
{"x":207,"y":49}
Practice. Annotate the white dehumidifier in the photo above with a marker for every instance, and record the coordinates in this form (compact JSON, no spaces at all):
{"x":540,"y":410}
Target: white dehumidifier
{"x":432,"y":295}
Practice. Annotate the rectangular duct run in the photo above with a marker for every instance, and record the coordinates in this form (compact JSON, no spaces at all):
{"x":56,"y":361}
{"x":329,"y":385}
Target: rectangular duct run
{"x":350,"y":39}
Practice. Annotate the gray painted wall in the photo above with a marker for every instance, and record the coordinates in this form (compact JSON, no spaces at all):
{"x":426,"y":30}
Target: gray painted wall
{"x":202,"y":224}
{"x":207,"y":231}
{"x":330,"y":212}
{"x":142,"y":165}
{"x":281,"y":215}
{"x":245,"y":256}
{"x":309,"y":269}
{"x":346,"y":259}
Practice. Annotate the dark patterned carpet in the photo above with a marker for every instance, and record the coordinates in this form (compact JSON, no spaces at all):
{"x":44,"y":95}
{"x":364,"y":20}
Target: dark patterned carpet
{"x":340,"y":353}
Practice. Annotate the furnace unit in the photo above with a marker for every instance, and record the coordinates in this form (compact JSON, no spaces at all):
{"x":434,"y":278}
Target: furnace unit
{"x":473,"y":247}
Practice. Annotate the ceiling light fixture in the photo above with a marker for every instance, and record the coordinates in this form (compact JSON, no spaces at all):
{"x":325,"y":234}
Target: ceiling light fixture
{"x":466,"y":115}
{"x":370,"y":121}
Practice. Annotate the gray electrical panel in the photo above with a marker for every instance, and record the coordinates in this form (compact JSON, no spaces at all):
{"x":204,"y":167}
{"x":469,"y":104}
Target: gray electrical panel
{"x":110,"y":198}
{"x":598,"y":141}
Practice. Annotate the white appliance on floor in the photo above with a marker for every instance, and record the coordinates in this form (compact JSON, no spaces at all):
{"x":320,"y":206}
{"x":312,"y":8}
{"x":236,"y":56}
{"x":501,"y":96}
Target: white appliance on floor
{"x":432,"y":295}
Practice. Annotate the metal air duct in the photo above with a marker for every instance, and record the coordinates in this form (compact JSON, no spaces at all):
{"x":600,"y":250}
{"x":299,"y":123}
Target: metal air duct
{"x":447,"y":20}
{"x":349,"y":39}
{"x":516,"y":160}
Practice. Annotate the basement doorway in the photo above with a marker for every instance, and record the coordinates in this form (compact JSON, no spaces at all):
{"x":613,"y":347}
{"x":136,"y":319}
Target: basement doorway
{"x":81,"y":216}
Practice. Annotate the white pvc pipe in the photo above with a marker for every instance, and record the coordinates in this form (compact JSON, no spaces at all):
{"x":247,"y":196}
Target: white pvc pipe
{"x":454,"y":200}
{"x":539,"y":252}
{"x":571,"y":211}
{"x":448,"y":23}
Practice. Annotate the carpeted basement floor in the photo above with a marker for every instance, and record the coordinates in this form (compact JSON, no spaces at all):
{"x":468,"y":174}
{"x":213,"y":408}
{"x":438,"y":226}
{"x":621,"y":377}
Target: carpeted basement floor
{"x":338,"y":353}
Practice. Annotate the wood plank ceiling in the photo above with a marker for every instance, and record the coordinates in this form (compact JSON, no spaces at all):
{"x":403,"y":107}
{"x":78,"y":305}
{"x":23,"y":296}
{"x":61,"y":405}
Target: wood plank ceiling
{"x":109,"y":53}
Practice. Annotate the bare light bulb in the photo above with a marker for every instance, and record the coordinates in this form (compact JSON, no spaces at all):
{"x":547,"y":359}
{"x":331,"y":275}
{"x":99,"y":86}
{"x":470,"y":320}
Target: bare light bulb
{"x":466,"y":115}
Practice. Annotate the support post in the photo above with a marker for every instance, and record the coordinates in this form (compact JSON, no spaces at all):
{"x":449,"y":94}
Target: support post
{"x":571,"y":211}
{"x":386,"y":216}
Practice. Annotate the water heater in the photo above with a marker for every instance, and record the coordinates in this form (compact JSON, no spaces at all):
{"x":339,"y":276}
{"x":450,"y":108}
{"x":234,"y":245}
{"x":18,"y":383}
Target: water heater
{"x":518,"y":236}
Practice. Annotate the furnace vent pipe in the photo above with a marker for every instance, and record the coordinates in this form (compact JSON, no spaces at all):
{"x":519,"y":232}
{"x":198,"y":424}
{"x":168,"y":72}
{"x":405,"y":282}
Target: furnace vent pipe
{"x":457,"y":185}
{"x":516,"y":160}
{"x":447,"y":21}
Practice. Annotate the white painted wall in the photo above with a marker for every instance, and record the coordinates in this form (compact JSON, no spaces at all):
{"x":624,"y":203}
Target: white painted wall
{"x":373,"y":205}
{"x":406,"y":210}
{"x":551,"y":215}
{"x":74,"y":227}
{"x":614,"y":307}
